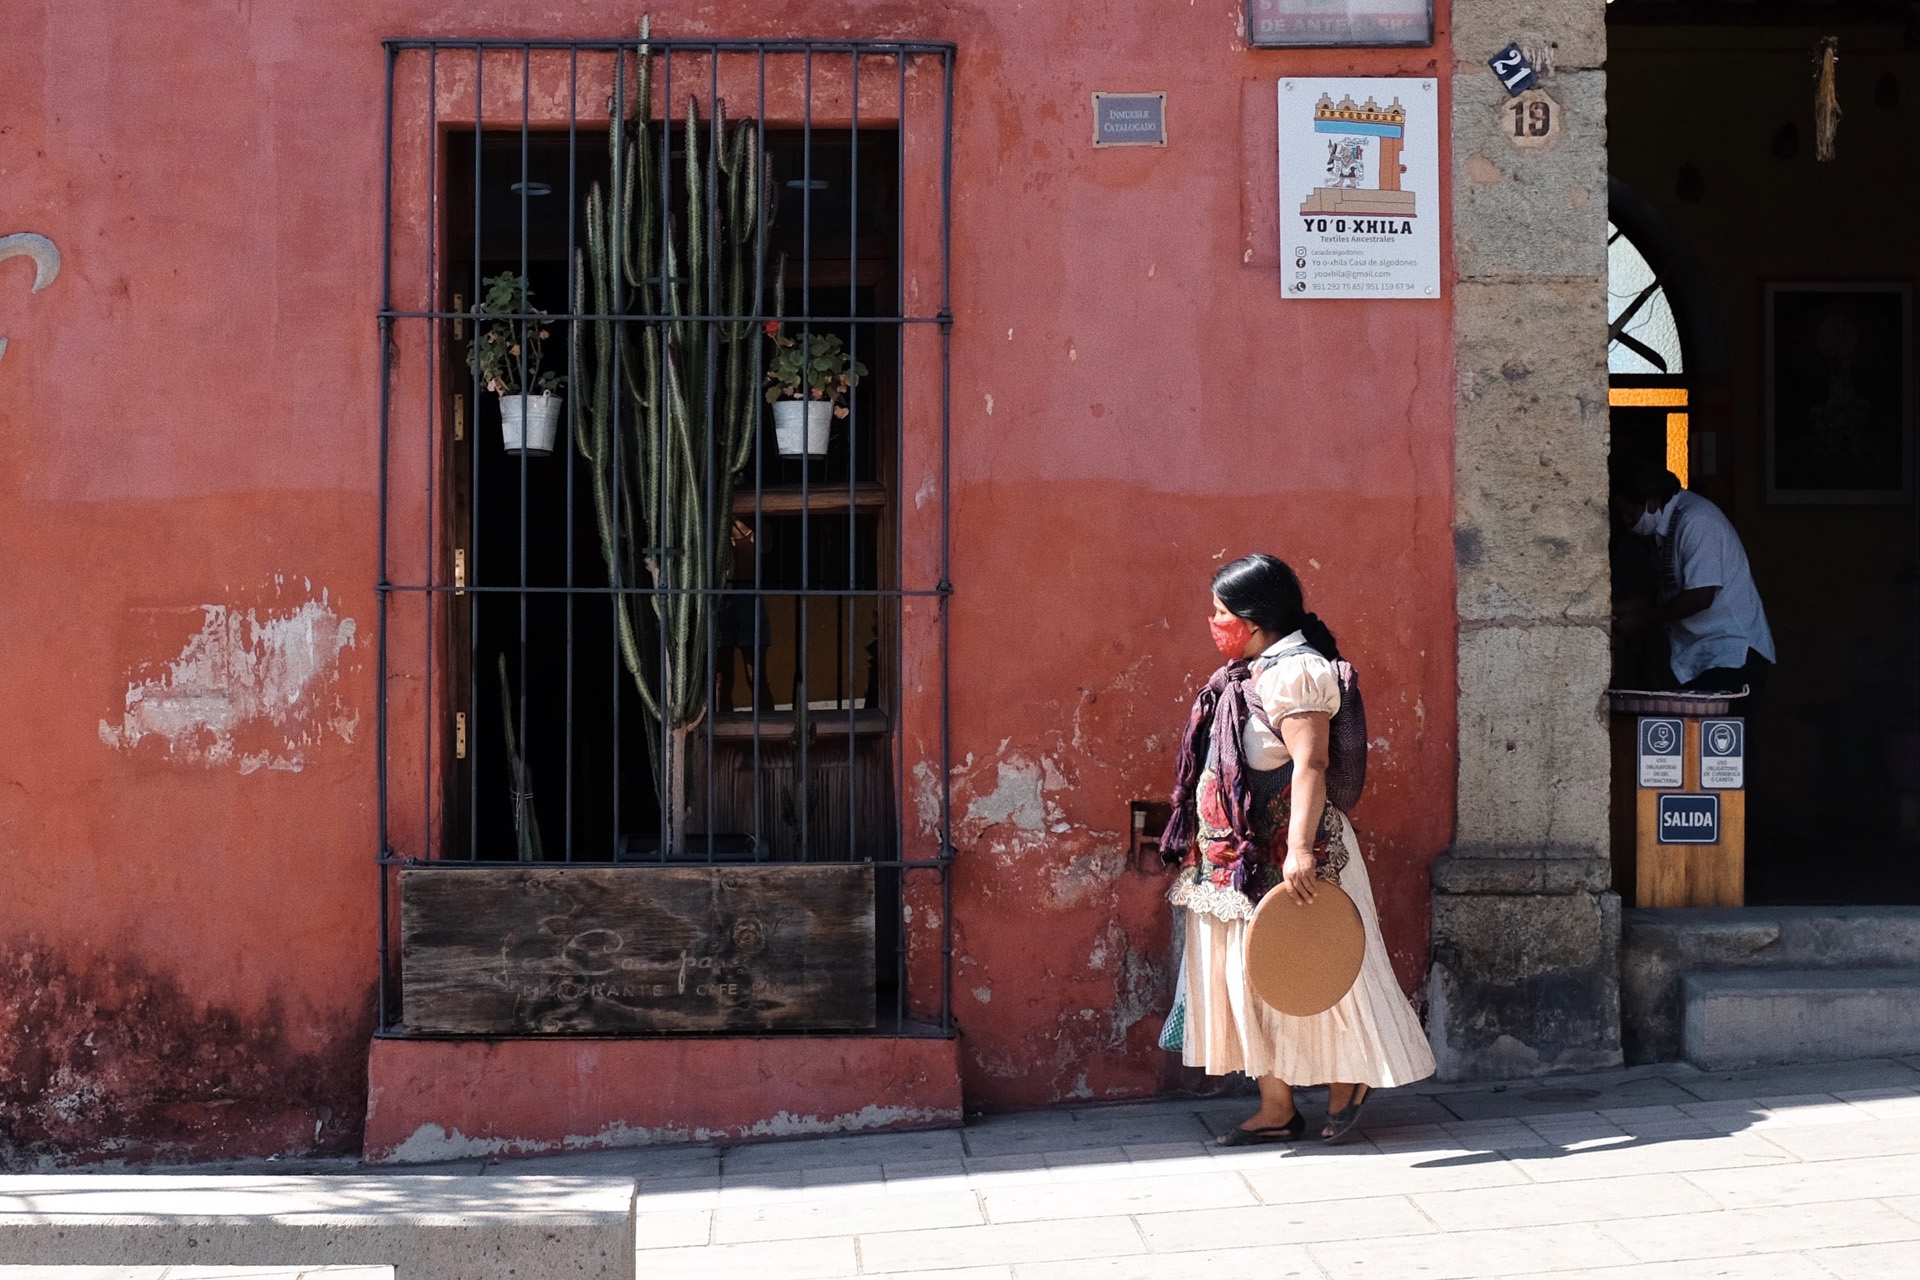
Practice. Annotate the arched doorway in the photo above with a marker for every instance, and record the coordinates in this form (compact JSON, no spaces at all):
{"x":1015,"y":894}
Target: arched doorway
{"x":1646,"y":360}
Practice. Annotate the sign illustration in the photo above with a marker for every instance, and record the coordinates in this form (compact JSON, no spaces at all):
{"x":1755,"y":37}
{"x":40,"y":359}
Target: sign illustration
{"x":1359,"y":188}
{"x":1723,"y":754}
{"x":1660,"y":743}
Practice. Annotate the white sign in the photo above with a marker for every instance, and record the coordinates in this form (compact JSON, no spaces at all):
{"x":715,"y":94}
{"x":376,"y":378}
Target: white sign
{"x":1359,"y":188}
{"x":1723,"y":754}
{"x":1661,"y":740}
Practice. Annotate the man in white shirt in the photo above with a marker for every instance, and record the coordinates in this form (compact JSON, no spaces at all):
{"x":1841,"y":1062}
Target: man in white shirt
{"x":1717,"y":631}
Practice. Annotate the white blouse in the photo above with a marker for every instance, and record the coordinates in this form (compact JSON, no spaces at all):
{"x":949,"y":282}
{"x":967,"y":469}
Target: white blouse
{"x":1290,"y":687}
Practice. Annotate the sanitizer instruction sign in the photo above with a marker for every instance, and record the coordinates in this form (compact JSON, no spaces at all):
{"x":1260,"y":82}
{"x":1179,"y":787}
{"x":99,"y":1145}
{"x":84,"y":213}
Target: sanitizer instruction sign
{"x":1359,"y":188}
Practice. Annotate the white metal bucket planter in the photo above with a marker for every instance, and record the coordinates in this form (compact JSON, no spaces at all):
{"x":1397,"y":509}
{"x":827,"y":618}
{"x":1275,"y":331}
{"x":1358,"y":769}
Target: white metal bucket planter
{"x":801,"y":428}
{"x":537,"y":432}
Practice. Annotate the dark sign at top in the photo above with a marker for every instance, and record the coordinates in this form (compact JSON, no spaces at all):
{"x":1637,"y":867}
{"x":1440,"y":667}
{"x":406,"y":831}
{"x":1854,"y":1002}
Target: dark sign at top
{"x":1515,"y":69}
{"x":1129,"y":119}
{"x":1294,"y":24}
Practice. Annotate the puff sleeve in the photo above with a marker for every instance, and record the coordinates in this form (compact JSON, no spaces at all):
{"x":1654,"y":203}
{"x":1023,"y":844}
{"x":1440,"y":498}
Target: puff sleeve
{"x":1303,"y":682}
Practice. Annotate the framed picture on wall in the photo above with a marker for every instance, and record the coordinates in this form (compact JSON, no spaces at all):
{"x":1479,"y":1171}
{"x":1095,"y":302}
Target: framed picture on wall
{"x":1839,"y":392}
{"x":1306,"y":24}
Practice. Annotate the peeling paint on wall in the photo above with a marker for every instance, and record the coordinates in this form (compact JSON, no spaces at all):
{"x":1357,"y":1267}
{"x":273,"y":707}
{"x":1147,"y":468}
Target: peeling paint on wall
{"x":432,"y":1144}
{"x":1015,"y":799}
{"x":250,"y":688}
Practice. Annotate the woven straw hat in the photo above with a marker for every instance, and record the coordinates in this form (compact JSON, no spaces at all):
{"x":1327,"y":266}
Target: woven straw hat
{"x":1303,"y":957}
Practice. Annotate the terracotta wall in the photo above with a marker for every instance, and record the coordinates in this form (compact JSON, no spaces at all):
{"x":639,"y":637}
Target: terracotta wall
{"x":188,"y":488}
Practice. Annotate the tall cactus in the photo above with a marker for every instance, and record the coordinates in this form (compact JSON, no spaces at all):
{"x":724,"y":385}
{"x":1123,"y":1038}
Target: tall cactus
{"x":668,"y":422}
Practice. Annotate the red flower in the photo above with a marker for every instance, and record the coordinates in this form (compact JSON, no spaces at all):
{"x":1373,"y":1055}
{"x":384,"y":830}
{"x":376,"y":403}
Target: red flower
{"x":773,"y":327}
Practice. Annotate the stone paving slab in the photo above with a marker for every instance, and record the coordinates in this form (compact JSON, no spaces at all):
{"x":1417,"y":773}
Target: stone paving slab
{"x":1650,"y":1172}
{"x":1656,"y":1173}
{"x":196,"y":1273}
{"x":424,"y":1227}
{"x":1867,"y":1261}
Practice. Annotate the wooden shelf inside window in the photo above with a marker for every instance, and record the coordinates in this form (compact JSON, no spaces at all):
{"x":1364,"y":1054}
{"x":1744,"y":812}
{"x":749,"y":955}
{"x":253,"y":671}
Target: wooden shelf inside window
{"x":819,"y":499}
{"x":829,"y":725}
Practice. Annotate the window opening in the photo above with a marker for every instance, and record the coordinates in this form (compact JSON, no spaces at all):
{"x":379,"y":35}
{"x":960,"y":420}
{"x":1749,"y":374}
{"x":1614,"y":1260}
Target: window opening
{"x":677,"y":635}
{"x":1645,"y":363}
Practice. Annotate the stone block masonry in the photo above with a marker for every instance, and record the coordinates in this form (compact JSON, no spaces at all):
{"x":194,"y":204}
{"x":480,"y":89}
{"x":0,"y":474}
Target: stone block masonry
{"x":1526,"y":930}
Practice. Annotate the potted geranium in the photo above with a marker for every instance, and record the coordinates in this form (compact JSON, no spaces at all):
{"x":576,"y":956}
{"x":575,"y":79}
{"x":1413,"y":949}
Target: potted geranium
{"x":529,"y":399}
{"x":807,"y":385}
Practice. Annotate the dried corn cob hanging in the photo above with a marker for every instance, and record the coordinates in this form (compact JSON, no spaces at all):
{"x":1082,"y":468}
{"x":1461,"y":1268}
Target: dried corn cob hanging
{"x":1826,"y":98}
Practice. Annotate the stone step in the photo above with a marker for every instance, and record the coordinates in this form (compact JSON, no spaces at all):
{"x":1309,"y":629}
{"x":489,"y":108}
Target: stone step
{"x":422,"y":1226}
{"x":1775,"y":1017}
{"x":1659,"y":946}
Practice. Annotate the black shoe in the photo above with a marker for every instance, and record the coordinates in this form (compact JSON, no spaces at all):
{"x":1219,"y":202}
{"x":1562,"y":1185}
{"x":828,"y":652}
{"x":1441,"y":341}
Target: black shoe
{"x":1340,"y":1123}
{"x":1288,"y":1132}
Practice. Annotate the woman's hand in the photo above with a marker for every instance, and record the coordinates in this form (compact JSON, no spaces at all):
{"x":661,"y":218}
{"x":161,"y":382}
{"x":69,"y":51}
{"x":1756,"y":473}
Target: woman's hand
{"x":1297,"y":877}
{"x":1305,"y":734}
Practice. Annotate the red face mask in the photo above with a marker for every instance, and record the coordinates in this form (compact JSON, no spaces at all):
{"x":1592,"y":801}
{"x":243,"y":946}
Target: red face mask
{"x":1230,"y":638}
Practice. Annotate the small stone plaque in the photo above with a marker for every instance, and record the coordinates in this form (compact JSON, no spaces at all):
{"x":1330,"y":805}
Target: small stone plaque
{"x":1530,"y":120}
{"x":1129,"y":119}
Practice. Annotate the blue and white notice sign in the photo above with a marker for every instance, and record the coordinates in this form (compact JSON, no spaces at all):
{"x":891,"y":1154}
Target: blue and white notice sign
{"x":1690,"y":817}
{"x":1723,"y":754}
{"x":1661,"y":740}
{"x":1360,"y":194}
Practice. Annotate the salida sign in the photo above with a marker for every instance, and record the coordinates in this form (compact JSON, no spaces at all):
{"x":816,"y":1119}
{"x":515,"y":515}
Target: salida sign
{"x":1689,"y":818}
{"x":1359,"y":188}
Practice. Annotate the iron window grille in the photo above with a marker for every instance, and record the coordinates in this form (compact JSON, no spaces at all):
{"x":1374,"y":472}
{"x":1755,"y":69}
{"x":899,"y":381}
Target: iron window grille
{"x":574,"y":670}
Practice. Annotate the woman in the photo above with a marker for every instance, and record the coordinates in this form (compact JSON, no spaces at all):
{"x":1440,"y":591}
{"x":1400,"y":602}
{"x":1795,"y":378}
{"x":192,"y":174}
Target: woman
{"x":1244,"y":825}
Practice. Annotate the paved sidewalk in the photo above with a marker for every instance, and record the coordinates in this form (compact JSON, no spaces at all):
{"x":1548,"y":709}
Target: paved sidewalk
{"x":1650,"y":1172}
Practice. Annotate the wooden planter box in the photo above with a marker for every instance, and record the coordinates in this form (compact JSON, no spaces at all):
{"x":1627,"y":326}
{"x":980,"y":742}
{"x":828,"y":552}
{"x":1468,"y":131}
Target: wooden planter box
{"x":546,"y":950}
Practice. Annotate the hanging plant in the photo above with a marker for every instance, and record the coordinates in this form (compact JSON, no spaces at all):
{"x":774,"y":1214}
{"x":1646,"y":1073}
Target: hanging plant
{"x":505,"y":352}
{"x":819,"y":371}
{"x":497,"y":353}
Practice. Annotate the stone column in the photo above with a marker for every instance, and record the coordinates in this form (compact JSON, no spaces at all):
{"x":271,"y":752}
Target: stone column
{"x":1526,"y":931}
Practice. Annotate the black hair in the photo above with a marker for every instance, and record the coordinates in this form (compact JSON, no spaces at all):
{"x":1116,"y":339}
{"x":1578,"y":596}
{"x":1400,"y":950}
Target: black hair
{"x":1638,"y":480}
{"x":1264,"y":591}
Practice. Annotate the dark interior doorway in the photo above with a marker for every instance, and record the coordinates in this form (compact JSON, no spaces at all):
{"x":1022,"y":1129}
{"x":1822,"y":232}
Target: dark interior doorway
{"x":1786,"y":284}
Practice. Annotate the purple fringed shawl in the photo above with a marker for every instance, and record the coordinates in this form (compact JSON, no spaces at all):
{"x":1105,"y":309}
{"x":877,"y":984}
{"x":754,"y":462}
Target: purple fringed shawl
{"x":1218,"y":719}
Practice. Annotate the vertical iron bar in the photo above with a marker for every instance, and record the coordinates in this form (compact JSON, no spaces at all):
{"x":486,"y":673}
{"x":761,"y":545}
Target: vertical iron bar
{"x":853,"y":447}
{"x":616,"y":451}
{"x":802,"y":691}
{"x":898,"y":683}
{"x":716,"y":520}
{"x":761,"y":643}
{"x":573,"y":389}
{"x":663,"y":579}
{"x":435,"y":442}
{"x":946,"y":542}
{"x":473,"y":482}
{"x":523,"y":783}
{"x":381,"y":592}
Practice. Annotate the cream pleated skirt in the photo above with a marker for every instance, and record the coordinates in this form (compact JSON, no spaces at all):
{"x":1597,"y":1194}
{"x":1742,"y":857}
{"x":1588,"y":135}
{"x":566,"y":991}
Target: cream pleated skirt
{"x":1370,"y":1037}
